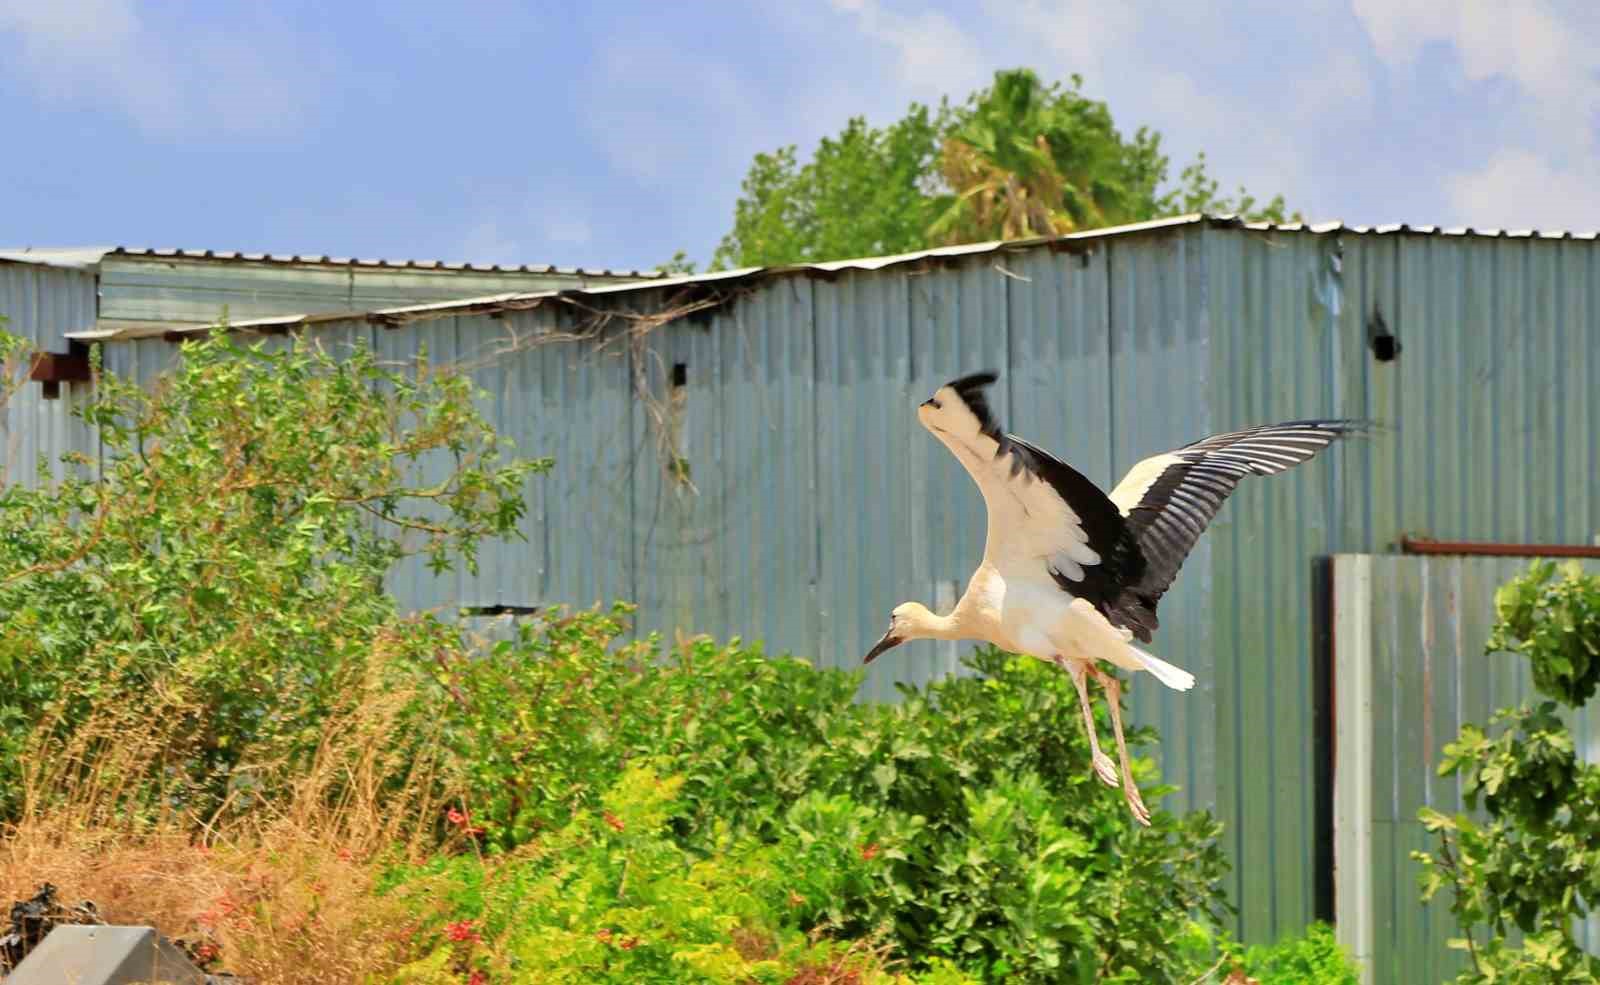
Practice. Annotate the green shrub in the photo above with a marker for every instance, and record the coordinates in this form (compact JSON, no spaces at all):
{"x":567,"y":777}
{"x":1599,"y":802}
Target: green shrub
{"x":963,"y":821}
{"x":183,"y":618}
{"x":1313,"y":958}
{"x":1535,"y":865}
{"x":612,"y":897}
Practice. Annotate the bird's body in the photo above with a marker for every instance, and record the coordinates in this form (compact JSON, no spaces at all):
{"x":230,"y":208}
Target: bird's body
{"x":1024,"y":616}
{"x":1072,"y":575}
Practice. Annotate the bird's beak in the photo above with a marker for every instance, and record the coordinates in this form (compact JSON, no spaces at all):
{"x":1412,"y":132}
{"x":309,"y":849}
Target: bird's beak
{"x":889,"y":642}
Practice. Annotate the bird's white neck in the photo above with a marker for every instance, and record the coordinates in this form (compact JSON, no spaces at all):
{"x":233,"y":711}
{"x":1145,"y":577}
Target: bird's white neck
{"x":936,"y":627}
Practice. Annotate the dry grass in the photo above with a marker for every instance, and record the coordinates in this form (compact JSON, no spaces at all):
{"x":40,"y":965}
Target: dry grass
{"x":288,"y":907}
{"x":281,"y":891}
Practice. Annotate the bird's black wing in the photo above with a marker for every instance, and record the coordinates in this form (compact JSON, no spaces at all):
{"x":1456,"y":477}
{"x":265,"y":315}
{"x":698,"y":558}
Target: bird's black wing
{"x":1169,"y":499}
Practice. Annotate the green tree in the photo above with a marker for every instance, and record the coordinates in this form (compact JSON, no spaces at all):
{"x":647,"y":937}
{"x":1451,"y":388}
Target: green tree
{"x":1027,"y":159}
{"x":181,"y":620}
{"x":1197,"y":192}
{"x":1019,"y":158}
{"x":865,"y":192}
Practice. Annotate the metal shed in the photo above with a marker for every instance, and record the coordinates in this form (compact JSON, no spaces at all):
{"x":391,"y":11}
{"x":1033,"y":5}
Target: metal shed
{"x":787,"y":398}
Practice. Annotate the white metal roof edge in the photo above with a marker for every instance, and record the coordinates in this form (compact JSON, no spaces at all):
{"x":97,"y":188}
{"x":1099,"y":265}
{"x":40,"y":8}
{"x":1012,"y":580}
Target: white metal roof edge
{"x":89,"y":257}
{"x":70,"y":258}
{"x":970,"y":249}
{"x":1228,"y":221}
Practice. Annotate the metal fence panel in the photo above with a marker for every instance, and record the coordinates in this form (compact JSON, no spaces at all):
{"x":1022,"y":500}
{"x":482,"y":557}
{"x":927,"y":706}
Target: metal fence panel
{"x":1409,"y":671}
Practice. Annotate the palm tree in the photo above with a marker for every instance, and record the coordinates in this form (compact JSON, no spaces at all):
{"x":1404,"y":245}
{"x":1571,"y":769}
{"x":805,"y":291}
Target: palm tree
{"x":1028,"y":160}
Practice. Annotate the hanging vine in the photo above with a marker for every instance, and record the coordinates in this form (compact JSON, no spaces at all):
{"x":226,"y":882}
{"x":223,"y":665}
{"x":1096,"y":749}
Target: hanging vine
{"x":598,"y":328}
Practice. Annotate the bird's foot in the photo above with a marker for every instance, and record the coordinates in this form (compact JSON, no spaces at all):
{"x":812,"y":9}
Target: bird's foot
{"x":1105,"y":769}
{"x":1141,"y":813}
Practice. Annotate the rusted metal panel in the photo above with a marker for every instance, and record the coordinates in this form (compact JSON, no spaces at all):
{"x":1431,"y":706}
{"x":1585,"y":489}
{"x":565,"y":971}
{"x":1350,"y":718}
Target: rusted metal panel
{"x":1419,"y":545}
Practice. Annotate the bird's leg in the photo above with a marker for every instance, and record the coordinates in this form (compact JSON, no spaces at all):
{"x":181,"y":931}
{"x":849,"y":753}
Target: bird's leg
{"x":1103,"y":767}
{"x":1130,"y":790}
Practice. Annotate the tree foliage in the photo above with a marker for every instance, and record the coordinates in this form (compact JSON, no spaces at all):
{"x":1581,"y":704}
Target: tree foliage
{"x":201,"y":601}
{"x":1535,"y":865}
{"x":865,"y":192}
{"x":1019,"y":158}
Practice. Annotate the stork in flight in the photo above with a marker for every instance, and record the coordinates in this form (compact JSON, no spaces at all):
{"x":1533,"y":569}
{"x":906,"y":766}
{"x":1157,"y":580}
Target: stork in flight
{"x":1071,"y":575}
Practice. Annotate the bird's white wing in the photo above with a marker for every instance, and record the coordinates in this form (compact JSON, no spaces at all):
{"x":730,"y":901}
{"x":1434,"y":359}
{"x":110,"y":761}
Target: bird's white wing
{"x":1169,"y":499}
{"x":1042,"y":513}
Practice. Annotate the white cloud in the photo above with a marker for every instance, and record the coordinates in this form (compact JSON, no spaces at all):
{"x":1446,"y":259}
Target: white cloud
{"x":101,"y":52}
{"x":1520,"y":189}
{"x":1548,"y":57}
{"x":569,"y":229}
{"x":933,"y":56}
{"x":486,"y":242}
{"x":662,"y":104}
{"x":1340,"y":87}
{"x":1079,"y":36}
{"x":1551,"y":58}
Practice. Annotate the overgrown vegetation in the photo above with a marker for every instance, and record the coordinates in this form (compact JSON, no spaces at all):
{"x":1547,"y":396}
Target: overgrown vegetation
{"x":1535,"y":866}
{"x":962,"y":822}
{"x":1019,"y":158}
{"x":215,"y":720}
{"x":181,"y":624}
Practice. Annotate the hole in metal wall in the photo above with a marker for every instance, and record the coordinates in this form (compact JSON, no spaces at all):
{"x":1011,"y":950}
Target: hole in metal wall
{"x":680,"y":374}
{"x":1385,"y":346}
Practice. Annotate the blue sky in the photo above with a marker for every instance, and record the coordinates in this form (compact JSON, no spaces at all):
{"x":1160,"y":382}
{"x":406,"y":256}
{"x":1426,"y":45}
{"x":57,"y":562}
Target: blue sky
{"x":612,"y":136}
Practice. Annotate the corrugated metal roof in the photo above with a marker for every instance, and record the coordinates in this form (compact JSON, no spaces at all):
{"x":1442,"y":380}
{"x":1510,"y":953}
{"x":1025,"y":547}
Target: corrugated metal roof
{"x":323,"y":259}
{"x":90,"y":256}
{"x":76,"y":258}
{"x":652,"y":281}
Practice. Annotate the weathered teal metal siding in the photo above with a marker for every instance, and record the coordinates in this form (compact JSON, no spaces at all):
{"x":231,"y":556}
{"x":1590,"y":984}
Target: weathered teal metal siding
{"x":1272,"y":307}
{"x":42,"y":303}
{"x":1495,"y":397}
{"x":1490,"y":428}
{"x":821,"y":503}
{"x":1410,"y":670}
{"x":143,"y":289}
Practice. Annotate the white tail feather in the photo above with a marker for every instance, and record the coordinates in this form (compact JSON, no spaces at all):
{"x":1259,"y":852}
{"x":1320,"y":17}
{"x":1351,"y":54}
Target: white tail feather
{"x":1174,"y":677}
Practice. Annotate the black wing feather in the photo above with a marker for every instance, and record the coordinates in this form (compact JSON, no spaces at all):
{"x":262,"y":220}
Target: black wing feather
{"x":1183,"y":500}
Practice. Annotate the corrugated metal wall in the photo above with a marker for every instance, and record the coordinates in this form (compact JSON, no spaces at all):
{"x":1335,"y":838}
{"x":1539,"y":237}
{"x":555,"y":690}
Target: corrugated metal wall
{"x":1410,"y":670}
{"x":1273,"y":305}
{"x":820,"y":503}
{"x":1491,"y":417}
{"x":42,"y":304}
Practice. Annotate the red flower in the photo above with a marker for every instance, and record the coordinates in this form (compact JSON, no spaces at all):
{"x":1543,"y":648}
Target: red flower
{"x":870,"y":852}
{"x":629,"y":943}
{"x":462,"y":820}
{"x":461,"y":931}
{"x":603,"y":935}
{"x":478,"y":978}
{"x":613,"y":821}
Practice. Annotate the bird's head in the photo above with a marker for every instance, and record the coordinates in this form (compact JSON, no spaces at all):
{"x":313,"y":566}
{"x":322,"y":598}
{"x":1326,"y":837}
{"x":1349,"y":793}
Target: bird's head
{"x":908,"y":621}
